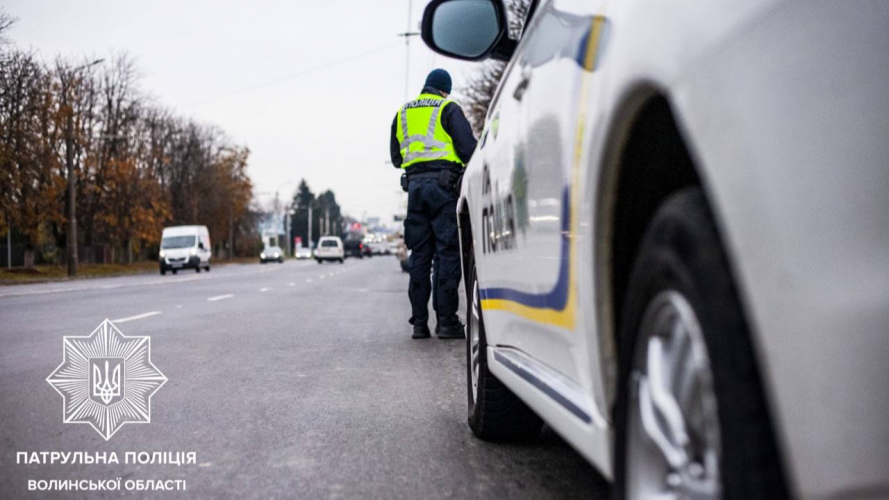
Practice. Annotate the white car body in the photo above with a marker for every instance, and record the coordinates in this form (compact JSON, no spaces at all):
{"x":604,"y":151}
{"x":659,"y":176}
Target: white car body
{"x":783,"y":108}
{"x":330,"y":248}
{"x":271,"y":253}
{"x":195,"y":256}
{"x":379,"y":247}
{"x":303,"y":253}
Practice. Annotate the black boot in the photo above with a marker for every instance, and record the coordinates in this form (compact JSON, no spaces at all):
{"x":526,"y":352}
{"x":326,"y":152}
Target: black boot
{"x":421,"y":332}
{"x":451,"y":331}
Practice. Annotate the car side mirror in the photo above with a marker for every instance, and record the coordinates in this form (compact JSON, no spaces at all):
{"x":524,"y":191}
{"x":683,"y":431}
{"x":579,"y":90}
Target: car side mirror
{"x":471,"y":30}
{"x":201,"y":245}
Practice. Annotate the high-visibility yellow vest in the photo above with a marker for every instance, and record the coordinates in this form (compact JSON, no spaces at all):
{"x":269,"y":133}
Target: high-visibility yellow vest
{"x":420,"y":134}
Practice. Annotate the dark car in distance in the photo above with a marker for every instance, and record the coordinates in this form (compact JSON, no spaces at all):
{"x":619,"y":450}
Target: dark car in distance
{"x":354,"y":247}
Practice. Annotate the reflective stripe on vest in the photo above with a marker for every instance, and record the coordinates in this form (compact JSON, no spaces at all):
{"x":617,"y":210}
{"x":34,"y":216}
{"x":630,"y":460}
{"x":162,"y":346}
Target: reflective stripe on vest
{"x":435,"y":144}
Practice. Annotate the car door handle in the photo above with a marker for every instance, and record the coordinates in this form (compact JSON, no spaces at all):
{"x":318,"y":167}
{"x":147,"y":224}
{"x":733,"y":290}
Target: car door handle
{"x":520,"y":89}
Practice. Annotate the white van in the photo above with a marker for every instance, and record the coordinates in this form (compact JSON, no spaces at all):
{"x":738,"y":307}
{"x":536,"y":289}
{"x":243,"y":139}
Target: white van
{"x":184,"y":247}
{"x":330,"y":248}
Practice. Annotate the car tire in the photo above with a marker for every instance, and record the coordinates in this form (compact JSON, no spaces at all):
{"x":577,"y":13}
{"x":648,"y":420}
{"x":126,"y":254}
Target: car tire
{"x":175,"y":271}
{"x":208,"y":268}
{"x":197,"y":269}
{"x":320,"y":261}
{"x":495,"y":413}
{"x":163,"y":272}
{"x":682,"y":310}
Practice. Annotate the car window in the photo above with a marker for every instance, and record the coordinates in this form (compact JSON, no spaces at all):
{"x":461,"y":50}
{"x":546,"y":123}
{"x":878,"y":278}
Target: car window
{"x":328,"y":243}
{"x":178,"y":242}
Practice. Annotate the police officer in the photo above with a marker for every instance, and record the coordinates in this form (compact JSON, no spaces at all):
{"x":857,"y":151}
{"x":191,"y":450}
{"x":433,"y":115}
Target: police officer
{"x":432,"y":141}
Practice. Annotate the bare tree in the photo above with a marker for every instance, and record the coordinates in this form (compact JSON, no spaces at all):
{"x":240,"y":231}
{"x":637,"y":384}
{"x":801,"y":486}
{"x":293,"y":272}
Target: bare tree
{"x":6,"y":22}
{"x":136,"y":165}
{"x":482,"y":85}
{"x":27,"y":186}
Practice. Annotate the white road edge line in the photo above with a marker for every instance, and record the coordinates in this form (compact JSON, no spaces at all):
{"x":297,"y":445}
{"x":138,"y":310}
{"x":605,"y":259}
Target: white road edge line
{"x":264,"y":289}
{"x":220,"y":297}
{"x":138,"y":316}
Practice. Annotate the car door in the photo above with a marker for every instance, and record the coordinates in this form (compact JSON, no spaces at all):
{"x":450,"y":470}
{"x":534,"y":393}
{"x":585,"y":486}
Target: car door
{"x":532,"y":294}
{"x":492,"y":191}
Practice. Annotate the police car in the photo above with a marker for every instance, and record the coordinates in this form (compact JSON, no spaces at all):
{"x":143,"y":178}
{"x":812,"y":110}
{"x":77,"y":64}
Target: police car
{"x":674,"y":238}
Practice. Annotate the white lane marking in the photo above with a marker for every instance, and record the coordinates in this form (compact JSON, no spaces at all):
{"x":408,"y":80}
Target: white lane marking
{"x":138,"y":316}
{"x":321,"y":277}
{"x":221,"y":297}
{"x":330,"y":274}
{"x":291,"y":284}
{"x":309,"y":280}
{"x":162,"y":281}
{"x":264,"y":289}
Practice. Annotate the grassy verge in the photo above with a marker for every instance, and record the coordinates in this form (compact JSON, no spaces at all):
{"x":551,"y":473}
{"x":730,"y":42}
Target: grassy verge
{"x":44,"y":274}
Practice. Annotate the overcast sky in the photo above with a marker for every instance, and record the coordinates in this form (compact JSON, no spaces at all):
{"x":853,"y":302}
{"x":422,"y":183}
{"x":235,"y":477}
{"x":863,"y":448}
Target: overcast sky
{"x":241,"y":65}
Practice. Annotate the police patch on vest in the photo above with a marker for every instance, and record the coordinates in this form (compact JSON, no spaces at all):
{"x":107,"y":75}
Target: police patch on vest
{"x":424,"y":103}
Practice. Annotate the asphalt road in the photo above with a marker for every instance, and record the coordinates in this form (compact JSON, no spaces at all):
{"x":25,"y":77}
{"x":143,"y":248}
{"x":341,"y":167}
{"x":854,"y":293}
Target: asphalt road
{"x":288,"y":381}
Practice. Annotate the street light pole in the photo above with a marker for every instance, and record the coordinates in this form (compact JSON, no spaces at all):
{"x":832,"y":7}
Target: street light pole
{"x":69,"y":161}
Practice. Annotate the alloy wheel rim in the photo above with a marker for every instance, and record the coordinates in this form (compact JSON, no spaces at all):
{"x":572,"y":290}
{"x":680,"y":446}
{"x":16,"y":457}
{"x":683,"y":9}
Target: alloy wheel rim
{"x":474,"y":340}
{"x":673,"y":440}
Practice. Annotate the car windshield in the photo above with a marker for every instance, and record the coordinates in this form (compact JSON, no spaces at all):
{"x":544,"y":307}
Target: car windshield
{"x":178,"y":242}
{"x":272,"y":249}
{"x":328,"y":243}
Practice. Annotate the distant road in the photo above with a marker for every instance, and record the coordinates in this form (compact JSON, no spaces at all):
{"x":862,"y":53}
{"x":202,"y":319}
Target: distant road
{"x":289,"y":381}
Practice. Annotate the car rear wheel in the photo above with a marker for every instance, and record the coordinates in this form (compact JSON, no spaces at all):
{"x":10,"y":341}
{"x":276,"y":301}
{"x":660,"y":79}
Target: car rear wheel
{"x":163,"y":272}
{"x":691,"y":418}
{"x":495,"y":413}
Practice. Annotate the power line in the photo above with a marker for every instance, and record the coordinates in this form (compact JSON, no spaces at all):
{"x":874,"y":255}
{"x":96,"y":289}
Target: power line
{"x":291,"y":76}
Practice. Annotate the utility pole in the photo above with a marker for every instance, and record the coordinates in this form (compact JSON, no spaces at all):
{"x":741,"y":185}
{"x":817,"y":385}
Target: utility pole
{"x":286,"y":218}
{"x":327,"y":221}
{"x":310,"y":225}
{"x":69,"y":162}
{"x":231,"y":233}
{"x":8,"y":244}
{"x":276,"y":209}
{"x":287,"y":229}
{"x":407,"y":46}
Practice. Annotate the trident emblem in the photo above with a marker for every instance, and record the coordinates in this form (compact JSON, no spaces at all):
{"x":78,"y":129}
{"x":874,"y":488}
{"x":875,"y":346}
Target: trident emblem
{"x":106,"y":387}
{"x":106,"y":380}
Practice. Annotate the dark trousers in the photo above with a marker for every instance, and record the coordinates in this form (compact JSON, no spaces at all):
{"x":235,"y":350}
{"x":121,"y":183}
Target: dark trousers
{"x":431,"y":230}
